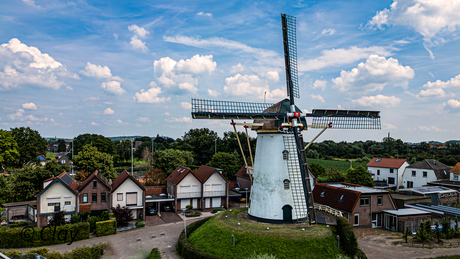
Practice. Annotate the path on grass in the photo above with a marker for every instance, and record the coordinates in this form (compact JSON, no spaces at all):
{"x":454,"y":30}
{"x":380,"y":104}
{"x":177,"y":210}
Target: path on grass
{"x":381,"y":247}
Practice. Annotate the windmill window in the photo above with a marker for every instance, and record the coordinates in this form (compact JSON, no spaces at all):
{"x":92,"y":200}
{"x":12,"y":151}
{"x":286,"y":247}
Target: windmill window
{"x":286,"y":184}
{"x":341,"y":198}
{"x":286,"y":155}
{"x":322,"y":193}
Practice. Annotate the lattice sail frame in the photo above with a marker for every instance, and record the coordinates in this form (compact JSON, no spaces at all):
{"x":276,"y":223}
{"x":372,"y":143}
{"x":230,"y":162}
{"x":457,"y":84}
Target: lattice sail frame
{"x":290,"y":51}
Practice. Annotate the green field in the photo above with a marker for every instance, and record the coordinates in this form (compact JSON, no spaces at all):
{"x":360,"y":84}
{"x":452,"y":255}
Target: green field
{"x":342,"y":166}
{"x":282,"y":241}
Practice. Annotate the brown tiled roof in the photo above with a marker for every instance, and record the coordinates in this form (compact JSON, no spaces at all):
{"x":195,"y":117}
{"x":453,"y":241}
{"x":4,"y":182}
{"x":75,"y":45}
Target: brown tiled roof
{"x":456,"y":168}
{"x":243,"y":172}
{"x":233,"y":184}
{"x":386,"y":162}
{"x":204,"y":172}
{"x":332,"y":196}
{"x":440,"y":170}
{"x":121,"y":178}
{"x":155,"y":190}
{"x":90,"y":178}
{"x":84,"y":207}
{"x":72,"y":186}
{"x":177,"y":175}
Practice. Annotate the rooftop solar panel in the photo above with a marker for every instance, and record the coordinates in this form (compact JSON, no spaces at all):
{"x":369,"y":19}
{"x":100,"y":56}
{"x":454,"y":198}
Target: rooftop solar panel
{"x":67,"y":179}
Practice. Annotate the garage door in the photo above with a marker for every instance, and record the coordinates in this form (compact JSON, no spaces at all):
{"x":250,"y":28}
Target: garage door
{"x":208,"y":203}
{"x":216,"y":202}
{"x":195,"y":204}
{"x":184,"y":203}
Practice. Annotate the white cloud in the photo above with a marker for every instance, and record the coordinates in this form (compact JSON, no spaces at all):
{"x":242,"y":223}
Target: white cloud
{"x":98,"y":71}
{"x":196,"y":65}
{"x":377,"y":101}
{"x":373,"y":75}
{"x":113,"y":87}
{"x":33,"y":118}
{"x":186,"y":105}
{"x":143,"y":119}
{"x":115,"y":36}
{"x":167,"y":114}
{"x":436,"y":92}
{"x":108,"y":103}
{"x":31,"y":3}
{"x":91,"y":99}
{"x":389,"y":126}
{"x":24,"y":65}
{"x":189,"y":87}
{"x":452,"y":103}
{"x":432,"y":128}
{"x":17,"y":115}
{"x":453,"y":82}
{"x":318,"y":97}
{"x":139,"y":31}
{"x":213,"y":93}
{"x":251,"y":85}
{"x":328,"y":32}
{"x":138,"y":44}
{"x":272,"y":76}
{"x":150,"y":96}
{"x":29,"y":106}
{"x":183,"y":119}
{"x":121,"y":122}
{"x":204,"y":14}
{"x":69,"y":88}
{"x":94,"y":124}
{"x":338,"y":57}
{"x":431,"y":19}
{"x":319,"y":84}
{"x":237,"y":68}
{"x":109,"y":111}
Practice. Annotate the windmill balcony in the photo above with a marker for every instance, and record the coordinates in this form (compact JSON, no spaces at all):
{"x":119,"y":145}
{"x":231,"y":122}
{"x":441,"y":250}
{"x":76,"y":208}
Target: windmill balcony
{"x":188,"y":195}
{"x":213,"y":193}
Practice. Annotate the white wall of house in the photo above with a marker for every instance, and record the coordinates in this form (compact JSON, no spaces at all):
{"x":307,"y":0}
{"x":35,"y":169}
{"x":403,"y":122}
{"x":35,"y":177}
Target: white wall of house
{"x":214,"y":186}
{"x":128,"y":186}
{"x":189,"y":187}
{"x":383,"y":173}
{"x":418,"y":180}
{"x":454,"y":176}
{"x":57,"y":193}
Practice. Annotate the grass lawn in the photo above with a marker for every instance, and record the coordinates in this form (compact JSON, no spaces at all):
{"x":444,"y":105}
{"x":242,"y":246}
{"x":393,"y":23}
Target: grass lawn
{"x":342,"y":166}
{"x":51,"y":156}
{"x":283,"y":241}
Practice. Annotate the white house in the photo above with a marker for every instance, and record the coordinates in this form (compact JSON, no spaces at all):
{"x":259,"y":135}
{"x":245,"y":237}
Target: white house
{"x":455,"y":173}
{"x":186,"y":187}
{"x":388,"y":169}
{"x":215,"y":187}
{"x":127,"y":191}
{"x":59,"y":194}
{"x":428,"y":170}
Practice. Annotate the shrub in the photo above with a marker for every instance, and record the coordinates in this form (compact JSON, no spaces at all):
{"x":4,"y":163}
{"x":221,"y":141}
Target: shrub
{"x":106,"y":227}
{"x":189,"y":207}
{"x":104,"y":216}
{"x":19,"y":224}
{"x":154,"y":254}
{"x":74,"y":219}
{"x":57,"y":219}
{"x":216,"y":210}
{"x":140,"y":223}
{"x":41,"y":251}
{"x":92,"y":223}
{"x":123,"y":214}
{"x":348,"y":240}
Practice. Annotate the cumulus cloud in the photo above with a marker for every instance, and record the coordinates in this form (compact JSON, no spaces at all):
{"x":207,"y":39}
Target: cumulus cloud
{"x":24,"y":65}
{"x":272,"y":76}
{"x":213,"y":93}
{"x":139,"y":33}
{"x":94,"y":124}
{"x":186,"y":105}
{"x":319,"y":84}
{"x":251,"y":85}
{"x":452,"y":103}
{"x":113,"y":87}
{"x":377,"y":101}
{"x":204,"y":14}
{"x":436,"y":92}
{"x":328,"y":32}
{"x":143,"y":119}
{"x":183,"y":119}
{"x":98,"y":71}
{"x":138,"y":44}
{"x":338,"y":57}
{"x":121,"y":122}
{"x":432,"y":128}
{"x":237,"y":68}
{"x":432,"y":19}
{"x":108,"y":111}
{"x":17,"y":115}
{"x":373,"y":75}
{"x":150,"y":96}
{"x":29,"y":106}
{"x":453,"y":82}
{"x":318,"y":97}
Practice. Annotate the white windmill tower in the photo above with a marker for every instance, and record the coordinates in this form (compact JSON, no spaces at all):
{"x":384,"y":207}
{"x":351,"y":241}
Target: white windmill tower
{"x":281,"y":190}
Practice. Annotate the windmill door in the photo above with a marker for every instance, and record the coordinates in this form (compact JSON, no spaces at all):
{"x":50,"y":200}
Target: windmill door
{"x":287,"y":214}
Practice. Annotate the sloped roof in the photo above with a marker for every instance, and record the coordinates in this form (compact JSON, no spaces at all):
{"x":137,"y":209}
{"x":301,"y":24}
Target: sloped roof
{"x":330,"y":196}
{"x":243,"y":172}
{"x":386,"y":162}
{"x":440,"y":170}
{"x":99,"y":177}
{"x":233,"y":184}
{"x":65,"y":179}
{"x":121,"y":178}
{"x":177,"y":175}
{"x":456,"y":168}
{"x":204,"y":172}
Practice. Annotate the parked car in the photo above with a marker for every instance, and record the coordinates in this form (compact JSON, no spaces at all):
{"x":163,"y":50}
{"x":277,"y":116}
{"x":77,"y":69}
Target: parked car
{"x":167,"y":208}
{"x":151,"y":211}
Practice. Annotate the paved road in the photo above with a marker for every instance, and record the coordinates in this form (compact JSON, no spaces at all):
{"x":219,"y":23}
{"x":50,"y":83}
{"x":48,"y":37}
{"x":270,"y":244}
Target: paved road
{"x":134,"y":244}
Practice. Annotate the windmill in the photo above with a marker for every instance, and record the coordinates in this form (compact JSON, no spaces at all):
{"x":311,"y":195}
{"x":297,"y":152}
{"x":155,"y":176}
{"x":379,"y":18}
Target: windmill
{"x":281,"y":189}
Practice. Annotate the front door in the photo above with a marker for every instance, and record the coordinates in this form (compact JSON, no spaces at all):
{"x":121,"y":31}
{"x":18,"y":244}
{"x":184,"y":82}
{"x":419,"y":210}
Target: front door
{"x":287,"y":214}
{"x":376,"y":220}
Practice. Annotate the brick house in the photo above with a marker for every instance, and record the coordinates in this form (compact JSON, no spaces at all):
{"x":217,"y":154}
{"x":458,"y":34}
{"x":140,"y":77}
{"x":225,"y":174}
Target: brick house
{"x":95,"y":192}
{"x":361,"y":205}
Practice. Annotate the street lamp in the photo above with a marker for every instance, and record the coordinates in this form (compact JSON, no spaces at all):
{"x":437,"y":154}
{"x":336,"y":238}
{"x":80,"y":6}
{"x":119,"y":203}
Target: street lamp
{"x":132,"y":163}
{"x":215,"y":146}
{"x":185,"y":224}
{"x":246,"y":192}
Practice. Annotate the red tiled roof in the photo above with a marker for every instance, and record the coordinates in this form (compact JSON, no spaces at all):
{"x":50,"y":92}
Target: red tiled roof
{"x":177,"y":175}
{"x":456,"y":168}
{"x":155,"y":190}
{"x":332,"y":196}
{"x":73,"y":186}
{"x":122,"y":177}
{"x":90,"y":178}
{"x":4,"y":172}
{"x":243,"y":172}
{"x":387,"y":162}
{"x":204,"y":172}
{"x":84,"y":207}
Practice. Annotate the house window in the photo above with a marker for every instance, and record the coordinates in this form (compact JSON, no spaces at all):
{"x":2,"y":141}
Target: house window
{"x":410,"y":184}
{"x":341,"y":198}
{"x":364,"y":201}
{"x":414,"y":173}
{"x":379,"y":200}
{"x":94,"y":184}
{"x":391,"y":170}
{"x":94,"y":197}
{"x":286,"y":184}
{"x":391,"y":180}
{"x":286,"y":155}
{"x":119,"y":196}
{"x":356,"y":220}
{"x":85,"y":198}
{"x":442,"y":194}
{"x":425,"y":174}
{"x":103,"y":197}
{"x":322,"y":193}
{"x":455,"y":177}
{"x":378,"y":172}
{"x":131,"y":198}
{"x":67,"y":203}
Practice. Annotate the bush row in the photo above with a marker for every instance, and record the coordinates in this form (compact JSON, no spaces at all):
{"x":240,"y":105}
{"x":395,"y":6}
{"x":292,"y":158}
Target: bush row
{"x":106,"y":227}
{"x":186,"y":250}
{"x":348,"y":240}
{"x":154,"y":254}
{"x":33,"y":237}
{"x":84,"y":252}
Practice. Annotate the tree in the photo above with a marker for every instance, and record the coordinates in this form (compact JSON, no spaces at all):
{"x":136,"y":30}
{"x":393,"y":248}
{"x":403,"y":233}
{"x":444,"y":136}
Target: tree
{"x":29,"y":144}
{"x":61,"y":146}
{"x":202,"y":141}
{"x":57,"y":219}
{"x":169,"y":159}
{"x":317,"y":169}
{"x":123,"y":215}
{"x":103,"y":144}
{"x":9,"y":154}
{"x":147,"y":157}
{"x":360,"y":176}
{"x":123,"y":149}
{"x":90,"y":159}
{"x":155,"y":177}
{"x":331,"y":175}
{"x":227,"y":162}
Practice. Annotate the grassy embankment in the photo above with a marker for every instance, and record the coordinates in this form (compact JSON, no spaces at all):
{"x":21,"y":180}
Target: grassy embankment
{"x":282,"y":241}
{"x":342,"y":166}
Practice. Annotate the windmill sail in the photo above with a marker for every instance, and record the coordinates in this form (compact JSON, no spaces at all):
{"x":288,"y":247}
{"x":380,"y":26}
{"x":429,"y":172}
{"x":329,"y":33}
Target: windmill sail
{"x":345,"y":119}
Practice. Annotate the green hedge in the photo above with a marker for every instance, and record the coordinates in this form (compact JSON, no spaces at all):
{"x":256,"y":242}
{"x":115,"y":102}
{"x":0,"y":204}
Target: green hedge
{"x":34,"y":237}
{"x":186,"y":250}
{"x":154,"y":254}
{"x":348,"y":240}
{"x":107,"y":227}
{"x":84,"y":252}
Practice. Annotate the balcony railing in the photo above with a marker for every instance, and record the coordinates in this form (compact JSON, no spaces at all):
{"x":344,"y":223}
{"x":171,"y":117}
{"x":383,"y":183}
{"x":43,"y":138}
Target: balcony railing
{"x":214,"y":193}
{"x":188,"y":195}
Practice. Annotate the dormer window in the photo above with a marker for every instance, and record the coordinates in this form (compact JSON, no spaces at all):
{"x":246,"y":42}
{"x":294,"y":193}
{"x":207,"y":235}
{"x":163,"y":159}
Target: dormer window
{"x":322,"y":193}
{"x":286,"y":184}
{"x":341,"y":198}
{"x":378,"y":160}
{"x":286,"y":155}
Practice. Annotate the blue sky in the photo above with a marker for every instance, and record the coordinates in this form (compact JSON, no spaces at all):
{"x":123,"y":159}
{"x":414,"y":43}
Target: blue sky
{"x":131,"y":67}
